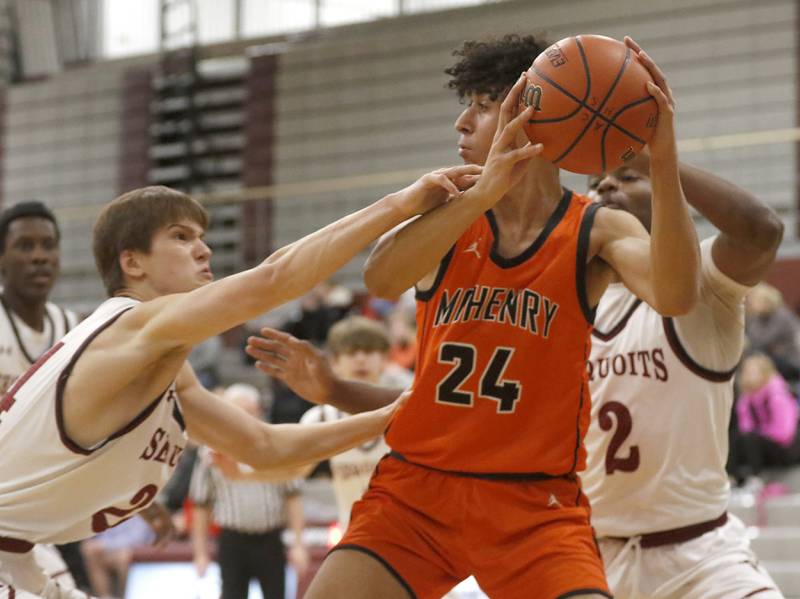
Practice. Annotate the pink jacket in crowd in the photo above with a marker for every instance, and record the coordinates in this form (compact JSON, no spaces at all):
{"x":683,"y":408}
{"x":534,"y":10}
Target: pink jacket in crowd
{"x":771,"y":412}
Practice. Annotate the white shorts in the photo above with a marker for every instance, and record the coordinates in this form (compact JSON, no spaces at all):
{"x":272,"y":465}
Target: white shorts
{"x":50,"y":560}
{"x":716,"y":565}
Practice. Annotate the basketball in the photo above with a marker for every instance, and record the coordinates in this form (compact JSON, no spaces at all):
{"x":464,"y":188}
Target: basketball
{"x":592,"y":110}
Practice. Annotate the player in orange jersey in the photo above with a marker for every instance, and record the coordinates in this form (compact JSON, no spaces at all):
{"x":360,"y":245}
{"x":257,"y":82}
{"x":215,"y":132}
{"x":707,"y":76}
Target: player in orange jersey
{"x":482,"y":476}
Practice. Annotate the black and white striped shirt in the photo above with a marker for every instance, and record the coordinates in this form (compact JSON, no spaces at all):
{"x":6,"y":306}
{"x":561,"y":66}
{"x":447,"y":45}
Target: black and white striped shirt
{"x":243,"y":506}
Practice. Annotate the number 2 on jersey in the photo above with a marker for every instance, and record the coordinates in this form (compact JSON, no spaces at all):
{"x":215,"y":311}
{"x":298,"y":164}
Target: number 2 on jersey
{"x":491,"y":386}
{"x":630,"y":463}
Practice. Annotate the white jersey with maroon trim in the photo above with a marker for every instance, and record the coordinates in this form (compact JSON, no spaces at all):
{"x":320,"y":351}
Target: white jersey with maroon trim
{"x":52,"y":489}
{"x":662,"y":393}
{"x":21,"y":346}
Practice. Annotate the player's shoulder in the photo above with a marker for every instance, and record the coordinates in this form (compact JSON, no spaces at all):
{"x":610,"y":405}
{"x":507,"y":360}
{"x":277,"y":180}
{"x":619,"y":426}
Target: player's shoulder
{"x":616,"y":222}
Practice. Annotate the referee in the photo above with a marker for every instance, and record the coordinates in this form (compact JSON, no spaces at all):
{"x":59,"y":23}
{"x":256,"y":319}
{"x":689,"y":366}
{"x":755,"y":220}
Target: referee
{"x":251,"y":517}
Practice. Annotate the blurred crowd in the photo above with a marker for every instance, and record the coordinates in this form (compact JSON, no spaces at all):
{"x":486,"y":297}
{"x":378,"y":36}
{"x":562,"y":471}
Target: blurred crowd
{"x":763,"y":431}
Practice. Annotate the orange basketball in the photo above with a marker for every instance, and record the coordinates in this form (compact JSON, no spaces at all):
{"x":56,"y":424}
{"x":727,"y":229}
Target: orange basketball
{"x":592,"y":108}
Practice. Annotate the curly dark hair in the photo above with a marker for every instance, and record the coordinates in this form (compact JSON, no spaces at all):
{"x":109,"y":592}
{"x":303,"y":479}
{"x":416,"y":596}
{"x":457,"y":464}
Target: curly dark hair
{"x":491,"y":67}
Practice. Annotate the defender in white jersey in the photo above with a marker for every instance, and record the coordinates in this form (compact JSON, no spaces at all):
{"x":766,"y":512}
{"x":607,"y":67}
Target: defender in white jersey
{"x":662,"y":393}
{"x":94,"y":428}
{"x":29,"y":324}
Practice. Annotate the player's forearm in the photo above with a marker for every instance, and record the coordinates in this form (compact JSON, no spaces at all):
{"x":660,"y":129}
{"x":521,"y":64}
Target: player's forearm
{"x":734,"y":211}
{"x":298,"y":267}
{"x":405,"y":257}
{"x":355,"y":397}
{"x":674,"y":250}
{"x":289,"y":445}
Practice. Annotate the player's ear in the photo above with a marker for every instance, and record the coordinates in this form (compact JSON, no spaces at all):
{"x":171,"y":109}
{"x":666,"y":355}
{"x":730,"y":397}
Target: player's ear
{"x":130,"y":264}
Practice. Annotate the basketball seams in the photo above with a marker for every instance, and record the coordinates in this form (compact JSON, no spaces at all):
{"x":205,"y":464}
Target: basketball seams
{"x":622,"y":129}
{"x":596,"y":116}
{"x":597,"y":112}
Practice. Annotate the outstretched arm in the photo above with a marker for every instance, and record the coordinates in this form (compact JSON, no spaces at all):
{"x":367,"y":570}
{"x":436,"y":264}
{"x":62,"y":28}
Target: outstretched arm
{"x":306,"y":371}
{"x":223,"y":427}
{"x":665,"y":272}
{"x":182,"y":320}
{"x":407,"y":256}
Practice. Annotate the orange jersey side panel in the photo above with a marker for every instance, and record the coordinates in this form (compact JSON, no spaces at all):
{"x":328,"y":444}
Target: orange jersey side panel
{"x":501,"y":383}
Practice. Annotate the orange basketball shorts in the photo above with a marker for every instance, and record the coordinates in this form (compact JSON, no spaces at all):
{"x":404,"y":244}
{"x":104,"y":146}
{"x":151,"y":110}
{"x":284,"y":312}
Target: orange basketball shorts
{"x":521,"y":540}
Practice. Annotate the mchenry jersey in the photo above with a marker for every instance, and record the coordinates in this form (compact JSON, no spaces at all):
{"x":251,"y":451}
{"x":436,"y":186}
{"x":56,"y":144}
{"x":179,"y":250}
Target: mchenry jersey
{"x":51,"y":488}
{"x":351,"y":469}
{"x":21,"y":345}
{"x":662,"y":394}
{"x":501,"y":384}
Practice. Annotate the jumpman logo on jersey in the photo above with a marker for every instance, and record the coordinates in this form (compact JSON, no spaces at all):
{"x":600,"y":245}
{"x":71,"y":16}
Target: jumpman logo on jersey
{"x":553,"y":502}
{"x":473,"y":248}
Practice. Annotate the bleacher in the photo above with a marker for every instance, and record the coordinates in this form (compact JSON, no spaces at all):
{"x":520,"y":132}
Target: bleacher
{"x":774,"y":529}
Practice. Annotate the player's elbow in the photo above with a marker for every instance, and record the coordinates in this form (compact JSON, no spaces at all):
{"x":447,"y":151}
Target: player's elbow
{"x":766,"y":229}
{"x":380,"y":283}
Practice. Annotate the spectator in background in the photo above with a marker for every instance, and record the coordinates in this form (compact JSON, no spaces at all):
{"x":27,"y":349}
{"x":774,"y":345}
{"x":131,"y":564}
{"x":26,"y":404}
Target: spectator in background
{"x":108,"y":556}
{"x":358,"y":349}
{"x":320,"y":309}
{"x":773,"y":329}
{"x":251,"y":516}
{"x":767,"y":414}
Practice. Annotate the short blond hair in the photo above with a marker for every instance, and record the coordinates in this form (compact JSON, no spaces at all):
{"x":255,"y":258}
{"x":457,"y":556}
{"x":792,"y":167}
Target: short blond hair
{"x":357,"y":333}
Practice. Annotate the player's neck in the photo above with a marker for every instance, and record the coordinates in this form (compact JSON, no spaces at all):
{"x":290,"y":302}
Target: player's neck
{"x":31,"y":312}
{"x":531,"y":202}
{"x":138,"y":291}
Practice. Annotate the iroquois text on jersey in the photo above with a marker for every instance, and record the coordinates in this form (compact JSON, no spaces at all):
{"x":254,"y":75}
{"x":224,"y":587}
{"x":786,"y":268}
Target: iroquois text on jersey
{"x":522,"y":308}
{"x":645,"y":363}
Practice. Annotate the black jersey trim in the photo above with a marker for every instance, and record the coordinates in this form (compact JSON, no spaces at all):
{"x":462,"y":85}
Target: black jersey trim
{"x":383,"y":562}
{"x":426,"y":295}
{"x":584,"y":235}
{"x":18,"y":337}
{"x":499,"y":476}
{"x":552,"y":222}
{"x":679,"y":350}
{"x":578,"y":436}
{"x":618,"y":328}
{"x":62,"y":383}
{"x":178,"y":415}
{"x":586,"y":591}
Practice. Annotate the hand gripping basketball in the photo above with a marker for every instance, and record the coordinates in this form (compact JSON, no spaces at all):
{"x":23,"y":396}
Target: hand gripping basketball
{"x":508,"y":156}
{"x":663,"y":139}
